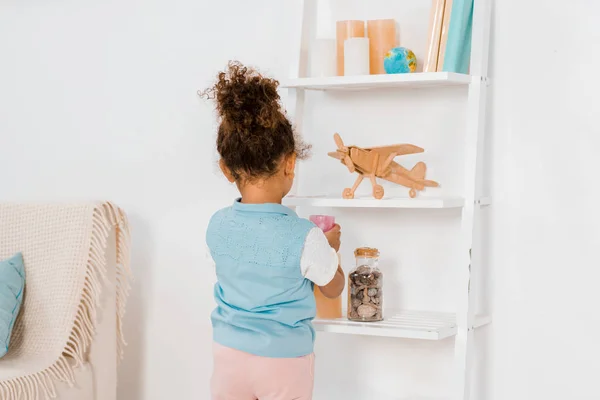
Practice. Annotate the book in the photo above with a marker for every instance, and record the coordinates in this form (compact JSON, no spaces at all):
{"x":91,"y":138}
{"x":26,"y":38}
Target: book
{"x":434,"y":34}
{"x":444,"y":34}
{"x":457,"y":51}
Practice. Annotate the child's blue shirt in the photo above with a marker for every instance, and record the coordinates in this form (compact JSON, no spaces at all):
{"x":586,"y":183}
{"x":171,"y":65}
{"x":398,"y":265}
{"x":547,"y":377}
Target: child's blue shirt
{"x":265,"y":306}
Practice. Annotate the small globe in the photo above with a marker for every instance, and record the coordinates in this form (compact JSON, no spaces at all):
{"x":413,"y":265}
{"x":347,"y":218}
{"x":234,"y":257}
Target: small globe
{"x":400,"y":60}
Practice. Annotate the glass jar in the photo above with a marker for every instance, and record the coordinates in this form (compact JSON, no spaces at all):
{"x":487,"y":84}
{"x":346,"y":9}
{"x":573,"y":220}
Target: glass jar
{"x":365,"y":287}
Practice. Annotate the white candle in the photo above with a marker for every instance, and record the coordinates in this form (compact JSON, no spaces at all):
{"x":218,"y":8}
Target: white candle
{"x":356,"y":56}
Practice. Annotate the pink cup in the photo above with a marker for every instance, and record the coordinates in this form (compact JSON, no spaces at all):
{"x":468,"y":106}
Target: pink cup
{"x":325,"y":222}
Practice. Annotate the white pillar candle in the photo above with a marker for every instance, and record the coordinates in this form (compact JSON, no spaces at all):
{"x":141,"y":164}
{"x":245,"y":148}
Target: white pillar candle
{"x":323,"y":59}
{"x":356,"y":56}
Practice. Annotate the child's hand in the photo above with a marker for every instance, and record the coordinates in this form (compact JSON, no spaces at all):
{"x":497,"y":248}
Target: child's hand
{"x":333,"y":237}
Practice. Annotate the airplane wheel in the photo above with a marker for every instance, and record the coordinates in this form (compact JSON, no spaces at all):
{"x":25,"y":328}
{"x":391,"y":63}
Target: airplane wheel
{"x":378,"y":191}
{"x":347,"y":194}
{"x":412,"y":193}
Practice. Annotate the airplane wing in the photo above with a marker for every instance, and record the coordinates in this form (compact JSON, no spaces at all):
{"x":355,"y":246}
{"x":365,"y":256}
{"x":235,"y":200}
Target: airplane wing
{"x":399,"y":149}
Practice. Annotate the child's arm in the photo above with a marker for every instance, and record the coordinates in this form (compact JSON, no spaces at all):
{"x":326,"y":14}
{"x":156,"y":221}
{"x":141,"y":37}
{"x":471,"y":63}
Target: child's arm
{"x":334,"y":288}
{"x":320,"y":262}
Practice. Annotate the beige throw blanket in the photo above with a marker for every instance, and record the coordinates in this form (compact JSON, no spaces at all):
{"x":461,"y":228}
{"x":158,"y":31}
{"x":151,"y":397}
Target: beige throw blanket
{"x":64,"y":252}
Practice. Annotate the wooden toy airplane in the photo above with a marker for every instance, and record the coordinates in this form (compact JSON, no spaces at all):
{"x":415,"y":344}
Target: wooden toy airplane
{"x":378,"y":162}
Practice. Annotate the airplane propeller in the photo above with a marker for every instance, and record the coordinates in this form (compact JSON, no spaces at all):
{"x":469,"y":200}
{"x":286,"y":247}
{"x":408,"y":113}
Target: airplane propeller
{"x":342,"y":153}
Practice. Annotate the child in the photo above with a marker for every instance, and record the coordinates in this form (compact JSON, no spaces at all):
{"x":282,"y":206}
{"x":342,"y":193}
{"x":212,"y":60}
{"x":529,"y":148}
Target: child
{"x":267,"y":258}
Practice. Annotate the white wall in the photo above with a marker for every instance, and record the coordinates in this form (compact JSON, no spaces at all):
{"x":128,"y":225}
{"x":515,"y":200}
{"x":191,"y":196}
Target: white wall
{"x":546,"y":226}
{"x":97,"y":100}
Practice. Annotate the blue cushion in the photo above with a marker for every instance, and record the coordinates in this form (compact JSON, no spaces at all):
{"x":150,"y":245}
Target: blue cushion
{"x":12,"y":283}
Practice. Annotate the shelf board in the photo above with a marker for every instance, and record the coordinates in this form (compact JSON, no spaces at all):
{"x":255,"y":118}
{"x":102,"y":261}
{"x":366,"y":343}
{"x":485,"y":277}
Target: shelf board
{"x":370,"y":202}
{"x":425,"y":325}
{"x":365,"y":82}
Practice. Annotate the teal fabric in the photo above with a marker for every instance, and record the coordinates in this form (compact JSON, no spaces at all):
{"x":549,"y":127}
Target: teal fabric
{"x":265,"y":306}
{"x":458,"y":46}
{"x":12,"y":283}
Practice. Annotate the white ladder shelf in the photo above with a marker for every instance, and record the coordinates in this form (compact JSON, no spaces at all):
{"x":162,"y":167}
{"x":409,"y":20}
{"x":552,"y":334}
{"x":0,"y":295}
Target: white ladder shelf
{"x":412,"y":324}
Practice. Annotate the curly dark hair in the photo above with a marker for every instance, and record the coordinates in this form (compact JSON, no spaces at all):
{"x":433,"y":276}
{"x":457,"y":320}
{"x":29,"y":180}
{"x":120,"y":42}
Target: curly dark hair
{"x":254,"y":133}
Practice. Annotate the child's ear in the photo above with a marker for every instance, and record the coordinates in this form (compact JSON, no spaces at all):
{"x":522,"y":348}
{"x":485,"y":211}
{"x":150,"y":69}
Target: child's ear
{"x":226,"y":171}
{"x":290,"y":164}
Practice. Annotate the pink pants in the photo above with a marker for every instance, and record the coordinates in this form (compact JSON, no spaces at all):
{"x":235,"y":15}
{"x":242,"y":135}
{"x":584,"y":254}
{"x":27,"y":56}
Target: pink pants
{"x":242,"y":376}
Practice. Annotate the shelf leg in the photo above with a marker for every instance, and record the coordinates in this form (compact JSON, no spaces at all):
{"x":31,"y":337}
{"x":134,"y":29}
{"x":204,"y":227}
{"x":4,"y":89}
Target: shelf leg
{"x":470,"y":248}
{"x":299,"y":68}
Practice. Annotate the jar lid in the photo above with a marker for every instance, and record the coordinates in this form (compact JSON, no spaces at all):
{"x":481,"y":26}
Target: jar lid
{"x":369,"y":252}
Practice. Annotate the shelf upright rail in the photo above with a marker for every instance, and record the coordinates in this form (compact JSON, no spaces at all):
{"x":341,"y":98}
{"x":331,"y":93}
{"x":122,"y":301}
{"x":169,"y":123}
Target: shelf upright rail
{"x":299,"y":65}
{"x":471,"y":240}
